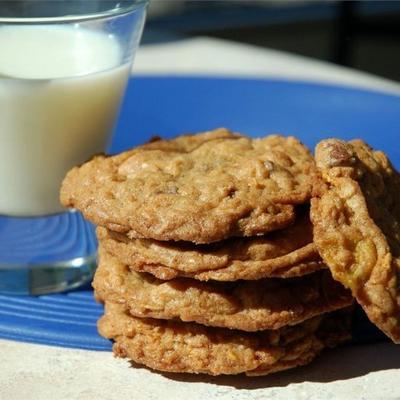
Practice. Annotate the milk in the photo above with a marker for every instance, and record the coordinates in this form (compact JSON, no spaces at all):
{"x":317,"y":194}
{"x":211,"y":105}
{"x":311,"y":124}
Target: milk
{"x":60,"y":91}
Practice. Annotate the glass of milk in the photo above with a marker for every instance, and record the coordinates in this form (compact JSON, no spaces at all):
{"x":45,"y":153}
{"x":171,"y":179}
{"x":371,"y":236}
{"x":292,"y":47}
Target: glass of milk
{"x":64,"y":66}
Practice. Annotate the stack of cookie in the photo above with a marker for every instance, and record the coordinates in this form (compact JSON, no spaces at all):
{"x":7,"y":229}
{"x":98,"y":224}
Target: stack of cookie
{"x":206,"y":255}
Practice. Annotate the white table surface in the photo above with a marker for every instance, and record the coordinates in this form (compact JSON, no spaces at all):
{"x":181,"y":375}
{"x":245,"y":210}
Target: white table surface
{"x":37,"y":372}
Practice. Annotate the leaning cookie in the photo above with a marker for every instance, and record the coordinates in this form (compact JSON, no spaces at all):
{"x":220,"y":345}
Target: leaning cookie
{"x":285,"y":253}
{"x":244,"y":305}
{"x":356,"y":217}
{"x":174,"y":346}
{"x":201,"y":188}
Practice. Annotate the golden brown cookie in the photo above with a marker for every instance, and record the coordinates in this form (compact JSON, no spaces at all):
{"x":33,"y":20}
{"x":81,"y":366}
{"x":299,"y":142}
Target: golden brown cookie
{"x":187,"y":347}
{"x":356,"y":217}
{"x":245,"y":305}
{"x":201,"y":188}
{"x":285,"y":253}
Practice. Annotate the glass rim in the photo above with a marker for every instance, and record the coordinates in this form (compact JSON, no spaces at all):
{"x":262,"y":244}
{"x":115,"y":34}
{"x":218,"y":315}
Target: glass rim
{"x":113,"y":12}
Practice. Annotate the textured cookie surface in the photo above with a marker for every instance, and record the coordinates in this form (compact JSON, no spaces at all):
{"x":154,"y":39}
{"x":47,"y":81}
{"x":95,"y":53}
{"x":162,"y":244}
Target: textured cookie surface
{"x":284,"y":253}
{"x":199,"y":188}
{"x":186,"y":347}
{"x":244,"y":305}
{"x":356,"y":217}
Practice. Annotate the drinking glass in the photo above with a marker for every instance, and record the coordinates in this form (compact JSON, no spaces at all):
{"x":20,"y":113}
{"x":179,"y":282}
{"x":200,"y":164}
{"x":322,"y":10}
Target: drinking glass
{"x":64,"y":66}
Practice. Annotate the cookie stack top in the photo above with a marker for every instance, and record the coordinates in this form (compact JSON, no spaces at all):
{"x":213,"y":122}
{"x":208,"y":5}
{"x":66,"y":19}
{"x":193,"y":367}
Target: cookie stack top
{"x":202,"y":188}
{"x":200,"y":206}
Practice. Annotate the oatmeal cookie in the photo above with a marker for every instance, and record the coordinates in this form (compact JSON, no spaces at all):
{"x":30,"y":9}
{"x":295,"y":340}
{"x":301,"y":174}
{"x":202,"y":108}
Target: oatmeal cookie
{"x":174,"y":346}
{"x":245,"y":305}
{"x":285,"y":253}
{"x":356,"y":217}
{"x":201,"y":188}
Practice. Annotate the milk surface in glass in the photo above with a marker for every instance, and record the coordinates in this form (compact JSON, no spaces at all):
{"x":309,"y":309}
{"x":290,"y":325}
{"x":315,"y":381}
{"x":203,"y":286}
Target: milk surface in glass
{"x":60,"y":90}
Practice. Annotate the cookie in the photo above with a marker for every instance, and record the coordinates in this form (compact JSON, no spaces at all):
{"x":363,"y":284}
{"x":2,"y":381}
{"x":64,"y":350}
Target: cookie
{"x":174,"y":346}
{"x":243,"y":305}
{"x":356,"y":217}
{"x":201,"y":188}
{"x":284,"y":253}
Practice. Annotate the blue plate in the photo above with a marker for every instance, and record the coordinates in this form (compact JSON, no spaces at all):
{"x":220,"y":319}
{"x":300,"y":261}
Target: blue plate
{"x":168,"y":106}
{"x":173,"y":105}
